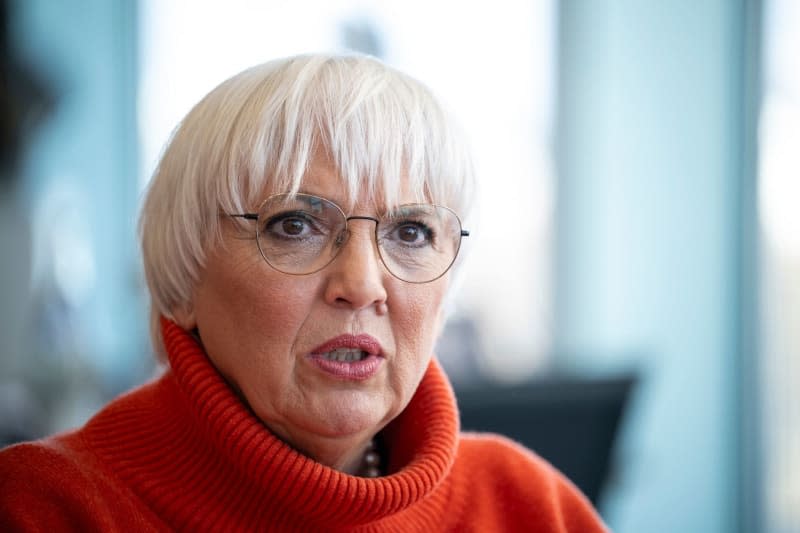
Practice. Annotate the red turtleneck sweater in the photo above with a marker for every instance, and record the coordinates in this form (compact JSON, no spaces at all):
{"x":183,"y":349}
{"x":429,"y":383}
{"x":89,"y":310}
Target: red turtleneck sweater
{"x":183,"y":453}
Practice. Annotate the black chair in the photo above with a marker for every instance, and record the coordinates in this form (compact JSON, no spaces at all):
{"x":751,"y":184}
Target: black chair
{"x":570,"y":422}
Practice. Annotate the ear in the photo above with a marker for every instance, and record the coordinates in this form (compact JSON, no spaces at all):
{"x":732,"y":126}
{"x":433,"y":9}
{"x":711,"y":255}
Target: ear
{"x":184,"y":316}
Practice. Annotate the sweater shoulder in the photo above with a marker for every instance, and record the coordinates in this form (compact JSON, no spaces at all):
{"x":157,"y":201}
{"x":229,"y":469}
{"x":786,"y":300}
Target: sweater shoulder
{"x":36,"y":479}
{"x":44,"y":485}
{"x":44,"y":463}
{"x":520,"y":489}
{"x":499,"y":450}
{"x":58,"y":484}
{"x":505,"y":464}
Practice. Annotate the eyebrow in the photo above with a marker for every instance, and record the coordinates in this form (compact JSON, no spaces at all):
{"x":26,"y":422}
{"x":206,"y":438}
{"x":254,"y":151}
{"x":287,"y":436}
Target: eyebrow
{"x":338,"y":201}
{"x":379,"y":211}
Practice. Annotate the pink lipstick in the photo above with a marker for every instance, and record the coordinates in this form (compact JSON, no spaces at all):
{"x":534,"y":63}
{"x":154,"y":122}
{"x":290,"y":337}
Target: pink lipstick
{"x":349,"y":357}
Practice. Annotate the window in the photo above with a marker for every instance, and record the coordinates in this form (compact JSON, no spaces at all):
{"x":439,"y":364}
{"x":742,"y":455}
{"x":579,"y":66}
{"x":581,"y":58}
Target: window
{"x":779,"y":197}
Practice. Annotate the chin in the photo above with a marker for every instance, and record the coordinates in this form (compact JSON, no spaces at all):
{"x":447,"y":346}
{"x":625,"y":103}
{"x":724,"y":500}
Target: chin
{"x":344,"y":418}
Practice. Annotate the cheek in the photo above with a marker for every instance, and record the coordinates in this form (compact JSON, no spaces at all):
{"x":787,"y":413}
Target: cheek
{"x":245,"y":312}
{"x":419,"y":323}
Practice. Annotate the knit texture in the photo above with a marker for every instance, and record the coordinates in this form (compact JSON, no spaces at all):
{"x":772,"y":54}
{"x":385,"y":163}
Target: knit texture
{"x":184,"y":453}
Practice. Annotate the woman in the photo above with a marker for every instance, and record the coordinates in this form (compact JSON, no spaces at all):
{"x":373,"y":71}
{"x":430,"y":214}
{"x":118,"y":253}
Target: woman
{"x":298,"y":238}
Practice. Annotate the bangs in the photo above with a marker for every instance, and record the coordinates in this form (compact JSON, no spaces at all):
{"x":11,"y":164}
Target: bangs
{"x":384,"y":133}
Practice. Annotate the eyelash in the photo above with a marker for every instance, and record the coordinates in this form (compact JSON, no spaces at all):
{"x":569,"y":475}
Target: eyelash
{"x":426,"y":230}
{"x":281,"y":217}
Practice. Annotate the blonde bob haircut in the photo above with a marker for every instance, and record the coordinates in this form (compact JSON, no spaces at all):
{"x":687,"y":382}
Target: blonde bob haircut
{"x":256,"y":133}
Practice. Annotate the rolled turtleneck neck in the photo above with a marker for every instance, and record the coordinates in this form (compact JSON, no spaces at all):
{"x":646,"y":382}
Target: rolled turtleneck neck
{"x":187,"y":442}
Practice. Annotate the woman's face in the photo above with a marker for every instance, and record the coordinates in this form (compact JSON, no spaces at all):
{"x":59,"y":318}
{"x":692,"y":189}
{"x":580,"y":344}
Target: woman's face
{"x":271,"y":334}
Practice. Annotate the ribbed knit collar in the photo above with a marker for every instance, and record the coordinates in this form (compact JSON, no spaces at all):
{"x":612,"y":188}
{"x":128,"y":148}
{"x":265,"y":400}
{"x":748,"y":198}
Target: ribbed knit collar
{"x":187,"y":446}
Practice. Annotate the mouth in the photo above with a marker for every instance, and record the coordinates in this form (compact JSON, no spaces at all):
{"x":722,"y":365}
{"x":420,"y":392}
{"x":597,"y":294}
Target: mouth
{"x":348,"y":357}
{"x":344,"y":355}
{"x":348,"y":348}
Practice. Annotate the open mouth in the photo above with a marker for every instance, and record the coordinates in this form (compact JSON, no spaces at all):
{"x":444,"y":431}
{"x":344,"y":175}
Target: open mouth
{"x":345,"y":355}
{"x":349,"y":357}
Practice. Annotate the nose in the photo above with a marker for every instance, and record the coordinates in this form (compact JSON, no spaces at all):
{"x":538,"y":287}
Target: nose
{"x":356,"y":277}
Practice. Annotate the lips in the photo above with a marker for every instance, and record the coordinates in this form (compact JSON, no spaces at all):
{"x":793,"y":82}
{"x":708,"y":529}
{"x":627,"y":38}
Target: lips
{"x":348,"y":357}
{"x":344,"y":346}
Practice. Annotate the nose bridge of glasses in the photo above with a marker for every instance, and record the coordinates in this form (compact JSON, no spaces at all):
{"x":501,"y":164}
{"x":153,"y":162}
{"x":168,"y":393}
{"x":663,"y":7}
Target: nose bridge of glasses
{"x":364,"y":251}
{"x":361,"y":217}
{"x":344,"y":235}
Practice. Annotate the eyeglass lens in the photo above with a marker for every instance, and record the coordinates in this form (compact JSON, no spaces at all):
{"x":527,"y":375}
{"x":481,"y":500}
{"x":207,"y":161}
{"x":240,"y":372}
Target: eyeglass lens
{"x":301,"y":234}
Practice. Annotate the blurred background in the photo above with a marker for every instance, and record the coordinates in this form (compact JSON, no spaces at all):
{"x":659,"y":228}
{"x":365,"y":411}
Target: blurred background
{"x":633,"y":283}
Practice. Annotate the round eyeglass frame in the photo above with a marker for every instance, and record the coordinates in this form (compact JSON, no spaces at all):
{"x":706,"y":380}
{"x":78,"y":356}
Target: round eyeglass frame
{"x":255,"y":216}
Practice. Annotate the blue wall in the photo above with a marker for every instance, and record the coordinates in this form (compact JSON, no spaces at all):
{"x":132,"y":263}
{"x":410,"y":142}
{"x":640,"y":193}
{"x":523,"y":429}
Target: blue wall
{"x":651,"y":184}
{"x":86,"y":154}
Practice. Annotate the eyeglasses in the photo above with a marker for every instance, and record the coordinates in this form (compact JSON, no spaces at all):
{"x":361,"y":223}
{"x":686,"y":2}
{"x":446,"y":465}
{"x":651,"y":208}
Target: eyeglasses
{"x":302,"y":234}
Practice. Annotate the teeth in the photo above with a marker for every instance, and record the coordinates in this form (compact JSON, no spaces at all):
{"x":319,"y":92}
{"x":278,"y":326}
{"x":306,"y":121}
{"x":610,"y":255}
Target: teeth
{"x":345,"y":355}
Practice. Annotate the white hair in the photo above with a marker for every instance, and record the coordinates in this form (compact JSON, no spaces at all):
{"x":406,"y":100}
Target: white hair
{"x":255,"y":134}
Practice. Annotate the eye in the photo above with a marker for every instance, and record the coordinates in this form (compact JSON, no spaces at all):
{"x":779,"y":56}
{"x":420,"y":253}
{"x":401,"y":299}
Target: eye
{"x":412,"y":233}
{"x":292,"y":225}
